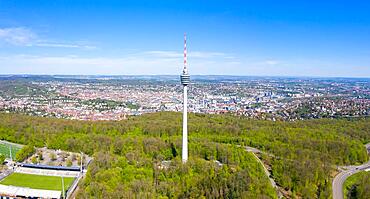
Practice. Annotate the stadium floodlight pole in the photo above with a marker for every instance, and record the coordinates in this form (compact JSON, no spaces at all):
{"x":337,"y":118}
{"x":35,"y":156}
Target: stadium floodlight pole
{"x":81,"y":162}
{"x":63,"y":193}
{"x":10,"y":152}
{"x":185,"y":80}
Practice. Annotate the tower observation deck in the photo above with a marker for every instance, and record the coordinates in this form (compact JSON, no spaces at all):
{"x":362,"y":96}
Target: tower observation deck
{"x":185,"y":79}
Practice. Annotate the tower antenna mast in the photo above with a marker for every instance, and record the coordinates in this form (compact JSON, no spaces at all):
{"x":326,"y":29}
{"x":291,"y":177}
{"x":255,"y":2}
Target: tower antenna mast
{"x":185,"y":80}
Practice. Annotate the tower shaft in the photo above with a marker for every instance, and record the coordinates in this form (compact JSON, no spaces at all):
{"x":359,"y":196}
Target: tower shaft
{"x":185,"y":126}
{"x":185,"y":80}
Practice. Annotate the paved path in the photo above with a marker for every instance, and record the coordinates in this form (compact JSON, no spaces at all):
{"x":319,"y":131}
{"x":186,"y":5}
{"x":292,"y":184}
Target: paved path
{"x":251,"y":149}
{"x":272,"y":181}
{"x":341,"y":177}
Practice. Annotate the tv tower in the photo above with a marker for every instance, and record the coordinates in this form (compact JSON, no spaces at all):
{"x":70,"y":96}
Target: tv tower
{"x":185,"y":80}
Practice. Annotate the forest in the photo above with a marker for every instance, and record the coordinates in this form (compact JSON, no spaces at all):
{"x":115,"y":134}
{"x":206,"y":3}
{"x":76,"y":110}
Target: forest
{"x":358,"y":186}
{"x":141,"y":157}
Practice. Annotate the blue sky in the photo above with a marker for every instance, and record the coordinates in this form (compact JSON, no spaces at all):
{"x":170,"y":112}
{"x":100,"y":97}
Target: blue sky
{"x":273,"y":38}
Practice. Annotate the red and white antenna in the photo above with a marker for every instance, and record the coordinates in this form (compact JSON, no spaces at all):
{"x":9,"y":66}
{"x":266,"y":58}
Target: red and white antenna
{"x":185,"y":58}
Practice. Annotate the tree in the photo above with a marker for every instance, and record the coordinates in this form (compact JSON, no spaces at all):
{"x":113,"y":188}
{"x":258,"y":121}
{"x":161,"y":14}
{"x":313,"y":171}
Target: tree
{"x":24,"y":153}
{"x":2,"y":158}
{"x":53,"y":157}
{"x":34,"y":160}
{"x":69,"y":162}
{"x":301,"y":154}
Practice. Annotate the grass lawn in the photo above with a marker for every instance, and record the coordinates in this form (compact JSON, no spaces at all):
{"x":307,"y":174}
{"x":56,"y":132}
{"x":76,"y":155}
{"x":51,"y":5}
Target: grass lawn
{"x":4,"y":149}
{"x":37,"y":181}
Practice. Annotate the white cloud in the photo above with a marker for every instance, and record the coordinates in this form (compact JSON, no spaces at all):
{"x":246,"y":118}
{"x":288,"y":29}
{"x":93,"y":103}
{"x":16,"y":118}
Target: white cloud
{"x":64,"y":45}
{"x":191,"y":54}
{"x":21,"y":36}
{"x":197,"y":54}
{"x":17,"y":36}
{"x":269,"y":62}
{"x":153,"y":62}
{"x":168,"y":54}
{"x":89,"y":65}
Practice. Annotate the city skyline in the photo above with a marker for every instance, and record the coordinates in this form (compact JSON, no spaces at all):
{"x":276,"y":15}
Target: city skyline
{"x":313,"y":39}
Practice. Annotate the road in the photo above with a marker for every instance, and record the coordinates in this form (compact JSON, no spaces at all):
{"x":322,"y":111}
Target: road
{"x":341,"y":177}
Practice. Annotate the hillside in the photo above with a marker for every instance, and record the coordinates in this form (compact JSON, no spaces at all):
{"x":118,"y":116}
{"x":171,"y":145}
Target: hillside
{"x":128,"y":154}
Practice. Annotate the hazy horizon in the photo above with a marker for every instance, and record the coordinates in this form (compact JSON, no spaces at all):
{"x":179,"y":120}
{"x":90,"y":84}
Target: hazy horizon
{"x":177,"y":75}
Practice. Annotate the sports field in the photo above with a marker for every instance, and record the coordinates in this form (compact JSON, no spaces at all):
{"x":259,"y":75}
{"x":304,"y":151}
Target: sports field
{"x":37,"y":181}
{"x":4,"y":149}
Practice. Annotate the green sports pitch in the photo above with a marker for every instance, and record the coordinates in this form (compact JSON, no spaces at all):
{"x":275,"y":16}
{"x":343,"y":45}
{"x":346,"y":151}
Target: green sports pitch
{"x":5,"y":149}
{"x":37,"y":181}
